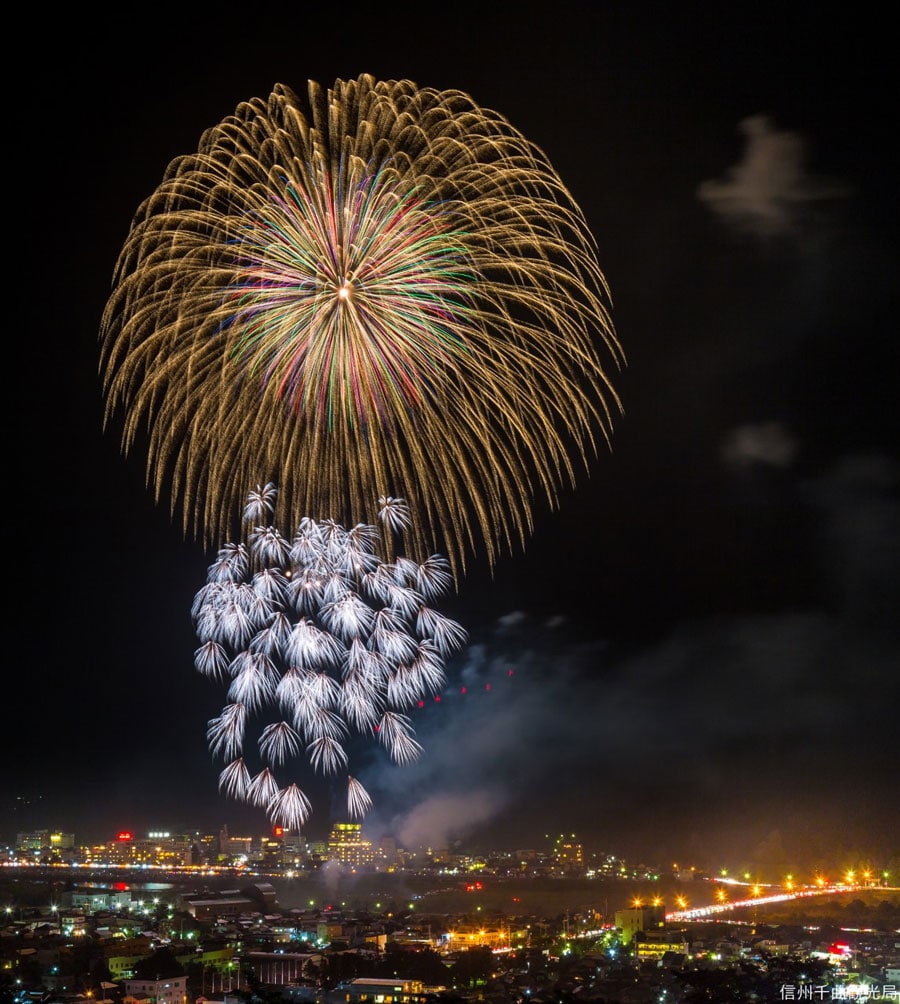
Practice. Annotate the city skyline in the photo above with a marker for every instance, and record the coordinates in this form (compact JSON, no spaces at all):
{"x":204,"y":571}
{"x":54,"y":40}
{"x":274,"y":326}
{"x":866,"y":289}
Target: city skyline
{"x":698,"y":650}
{"x":351,"y":849}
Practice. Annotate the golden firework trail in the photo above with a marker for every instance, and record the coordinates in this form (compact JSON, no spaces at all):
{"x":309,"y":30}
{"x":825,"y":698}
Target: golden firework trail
{"x":383,"y":290}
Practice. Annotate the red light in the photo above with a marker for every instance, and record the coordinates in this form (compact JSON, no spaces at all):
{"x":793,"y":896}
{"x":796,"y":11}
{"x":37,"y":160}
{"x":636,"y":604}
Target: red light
{"x":487,"y":686}
{"x":278,"y":831}
{"x":437,"y":698}
{"x":125,"y":835}
{"x":464,"y":690}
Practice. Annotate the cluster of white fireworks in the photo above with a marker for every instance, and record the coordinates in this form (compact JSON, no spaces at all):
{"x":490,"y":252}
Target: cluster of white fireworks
{"x":330,"y":632}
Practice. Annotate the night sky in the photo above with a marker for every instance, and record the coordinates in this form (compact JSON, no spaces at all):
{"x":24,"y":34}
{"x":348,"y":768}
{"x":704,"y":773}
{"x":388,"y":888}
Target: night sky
{"x":698,"y":653}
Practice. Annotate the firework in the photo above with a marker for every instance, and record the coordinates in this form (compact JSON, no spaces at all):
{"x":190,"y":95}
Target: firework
{"x":384,"y":285}
{"x":332,"y":638}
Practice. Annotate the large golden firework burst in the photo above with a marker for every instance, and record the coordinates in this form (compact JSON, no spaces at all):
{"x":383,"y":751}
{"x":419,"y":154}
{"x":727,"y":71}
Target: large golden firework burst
{"x":384,"y":291}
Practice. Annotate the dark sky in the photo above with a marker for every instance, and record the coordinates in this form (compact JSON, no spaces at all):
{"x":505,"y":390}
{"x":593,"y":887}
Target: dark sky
{"x":698,"y":654}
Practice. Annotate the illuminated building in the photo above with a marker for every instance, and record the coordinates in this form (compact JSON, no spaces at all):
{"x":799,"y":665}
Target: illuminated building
{"x":377,"y":991}
{"x":655,"y":946}
{"x":296,"y":849}
{"x":171,"y":991}
{"x":93,"y":900}
{"x":205,"y":846}
{"x":226,"y":906}
{"x":234,"y":849}
{"x":386,"y":854}
{"x":158,"y":848}
{"x":46,"y":843}
{"x":272,"y":850}
{"x":639,"y":920}
{"x":347,"y":845}
{"x":114,"y":852}
{"x":282,"y":968}
{"x":464,"y":936}
{"x":162,"y":848}
{"x":568,"y":855}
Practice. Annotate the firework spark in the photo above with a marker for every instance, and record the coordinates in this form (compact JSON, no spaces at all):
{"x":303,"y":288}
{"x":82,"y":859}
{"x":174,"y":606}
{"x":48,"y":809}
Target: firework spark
{"x":344,"y":663}
{"x":385,"y":285}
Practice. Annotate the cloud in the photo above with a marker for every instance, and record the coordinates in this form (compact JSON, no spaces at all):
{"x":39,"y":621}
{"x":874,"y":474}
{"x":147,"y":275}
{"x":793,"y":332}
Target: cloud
{"x":858,"y":501}
{"x":766,"y":191}
{"x":441,"y":818}
{"x":723,"y":720}
{"x":768,"y":443}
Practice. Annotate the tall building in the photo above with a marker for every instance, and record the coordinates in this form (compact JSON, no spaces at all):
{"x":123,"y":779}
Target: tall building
{"x":568,"y":854}
{"x":347,"y":845}
{"x":46,"y":844}
{"x":272,"y":850}
{"x":234,"y":849}
{"x":640,"y":920}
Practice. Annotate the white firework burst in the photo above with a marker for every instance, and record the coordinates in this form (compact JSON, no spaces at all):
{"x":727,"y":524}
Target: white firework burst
{"x":331,"y":637}
{"x":262,"y":789}
{"x":290,"y":808}
{"x":225,"y":734}
{"x":211,"y":659}
{"x":394,"y":513}
{"x":260,"y":503}
{"x":278,"y":742}
{"x":358,"y":800}
{"x":235,"y":780}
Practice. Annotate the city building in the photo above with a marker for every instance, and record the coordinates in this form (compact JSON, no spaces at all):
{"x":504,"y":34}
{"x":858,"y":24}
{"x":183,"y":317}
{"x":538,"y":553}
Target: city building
{"x":639,"y":920}
{"x":568,"y":854}
{"x":380,"y":991}
{"x":170,"y":991}
{"x":234,"y":849}
{"x":347,"y":845}
{"x":656,"y":946}
{"x":46,"y":844}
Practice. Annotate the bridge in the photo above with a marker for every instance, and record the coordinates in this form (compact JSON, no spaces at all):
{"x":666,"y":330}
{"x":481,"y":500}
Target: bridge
{"x":758,"y":897}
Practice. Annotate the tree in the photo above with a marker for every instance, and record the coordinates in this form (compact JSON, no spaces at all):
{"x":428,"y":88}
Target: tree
{"x":424,"y":965}
{"x":473,"y":966}
{"x":160,"y":965}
